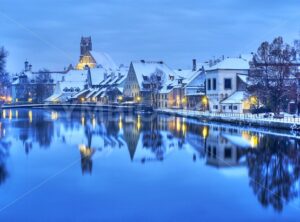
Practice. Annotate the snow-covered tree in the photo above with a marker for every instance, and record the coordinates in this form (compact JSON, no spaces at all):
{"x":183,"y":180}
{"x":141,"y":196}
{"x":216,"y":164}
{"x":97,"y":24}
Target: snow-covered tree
{"x":272,"y":74}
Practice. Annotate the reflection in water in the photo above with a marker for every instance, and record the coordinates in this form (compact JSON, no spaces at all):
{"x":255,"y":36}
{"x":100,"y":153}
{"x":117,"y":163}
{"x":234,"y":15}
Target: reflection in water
{"x":86,"y":158}
{"x":4,"y":152}
{"x":273,"y":162}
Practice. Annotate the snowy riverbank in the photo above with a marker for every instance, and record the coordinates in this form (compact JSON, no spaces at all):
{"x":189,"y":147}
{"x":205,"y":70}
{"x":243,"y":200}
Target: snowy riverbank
{"x":288,"y":122}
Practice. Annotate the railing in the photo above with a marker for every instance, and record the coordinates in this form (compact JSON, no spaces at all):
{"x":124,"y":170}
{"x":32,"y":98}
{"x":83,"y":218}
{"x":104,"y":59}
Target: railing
{"x":234,"y":116}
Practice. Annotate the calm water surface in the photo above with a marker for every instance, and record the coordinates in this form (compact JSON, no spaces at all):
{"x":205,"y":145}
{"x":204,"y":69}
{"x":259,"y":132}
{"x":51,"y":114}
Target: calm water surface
{"x":57,"y":166}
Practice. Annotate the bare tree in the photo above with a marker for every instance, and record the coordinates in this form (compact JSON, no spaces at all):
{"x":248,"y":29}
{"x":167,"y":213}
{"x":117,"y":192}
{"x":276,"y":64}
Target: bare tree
{"x":3,"y":55}
{"x":272,"y":73}
{"x":4,"y":76}
{"x":44,"y":86}
{"x":152,"y":84}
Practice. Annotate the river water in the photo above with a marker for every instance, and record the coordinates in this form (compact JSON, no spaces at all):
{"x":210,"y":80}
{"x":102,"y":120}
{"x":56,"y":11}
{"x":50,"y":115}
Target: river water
{"x":79,"y":166}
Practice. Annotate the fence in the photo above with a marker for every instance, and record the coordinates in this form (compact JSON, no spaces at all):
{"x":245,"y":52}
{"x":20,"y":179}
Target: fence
{"x":234,"y":116}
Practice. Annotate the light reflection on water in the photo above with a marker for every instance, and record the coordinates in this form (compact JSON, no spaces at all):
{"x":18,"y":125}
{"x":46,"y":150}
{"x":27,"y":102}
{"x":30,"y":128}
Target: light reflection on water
{"x":272,"y":162}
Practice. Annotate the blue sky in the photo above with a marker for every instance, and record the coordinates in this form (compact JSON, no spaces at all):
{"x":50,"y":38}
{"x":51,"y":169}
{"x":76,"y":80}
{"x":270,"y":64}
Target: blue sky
{"x":47,"y":32}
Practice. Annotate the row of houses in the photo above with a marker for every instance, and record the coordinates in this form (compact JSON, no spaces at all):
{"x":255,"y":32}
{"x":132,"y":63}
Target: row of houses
{"x":217,"y":86}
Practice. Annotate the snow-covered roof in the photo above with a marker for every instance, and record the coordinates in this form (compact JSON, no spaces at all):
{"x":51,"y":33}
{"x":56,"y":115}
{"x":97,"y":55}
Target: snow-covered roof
{"x":146,"y":68}
{"x":76,"y":76}
{"x":231,"y":64}
{"x":97,"y":75}
{"x":184,"y":73}
{"x":244,"y":78}
{"x":53,"y":97}
{"x":104,"y":60}
{"x":237,"y":140}
{"x":91,"y":93}
{"x":236,"y":98}
{"x":79,"y":93}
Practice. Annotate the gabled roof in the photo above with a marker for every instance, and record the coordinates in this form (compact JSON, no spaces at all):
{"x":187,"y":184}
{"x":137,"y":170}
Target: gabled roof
{"x":104,"y":60}
{"x":97,"y":75}
{"x":146,"y":68}
{"x":243,"y":78}
{"x":231,"y":64}
{"x":236,"y":98}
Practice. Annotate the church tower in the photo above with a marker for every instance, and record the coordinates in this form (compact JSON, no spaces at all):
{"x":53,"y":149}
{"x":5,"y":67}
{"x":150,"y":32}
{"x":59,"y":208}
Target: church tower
{"x":85,"y":45}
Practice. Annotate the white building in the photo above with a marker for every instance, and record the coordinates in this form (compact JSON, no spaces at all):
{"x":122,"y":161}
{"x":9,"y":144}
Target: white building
{"x":225,"y":85}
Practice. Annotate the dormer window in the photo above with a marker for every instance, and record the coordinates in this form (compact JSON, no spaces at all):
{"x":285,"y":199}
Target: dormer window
{"x":171,"y":77}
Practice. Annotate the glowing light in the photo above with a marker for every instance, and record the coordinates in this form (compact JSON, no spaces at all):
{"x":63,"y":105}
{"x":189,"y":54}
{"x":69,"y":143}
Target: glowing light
{"x":138,"y":99}
{"x":17,"y":100}
{"x":184,"y":100}
{"x":205,"y":132}
{"x":178,"y":124}
{"x":120,"y":123}
{"x":85,"y":151}
{"x":17,"y":114}
{"x":138,"y":124}
{"x":253,"y":100}
{"x":120,"y":98}
{"x":205,"y":101}
{"x":183,"y":128}
{"x":30,"y":116}
{"x":178,"y":100}
{"x":54,"y":115}
{"x":9,"y":99}
{"x":82,"y":120}
{"x":82,"y":99}
{"x":4,"y":114}
{"x":30,"y":100}
{"x":10,"y":115}
{"x":94,"y":122}
{"x":254,"y":141}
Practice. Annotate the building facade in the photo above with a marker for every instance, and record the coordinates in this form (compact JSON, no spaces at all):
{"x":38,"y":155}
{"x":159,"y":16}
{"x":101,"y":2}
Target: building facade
{"x":225,"y":86}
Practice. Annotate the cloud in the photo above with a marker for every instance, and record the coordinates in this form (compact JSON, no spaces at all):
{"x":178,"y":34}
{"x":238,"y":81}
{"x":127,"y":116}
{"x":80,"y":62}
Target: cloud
{"x":174,"y":30}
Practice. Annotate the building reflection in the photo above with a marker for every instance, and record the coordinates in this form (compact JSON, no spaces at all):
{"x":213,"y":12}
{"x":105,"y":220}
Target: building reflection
{"x":4,"y":153}
{"x":225,"y":147}
{"x":86,"y":154}
{"x":272,"y":162}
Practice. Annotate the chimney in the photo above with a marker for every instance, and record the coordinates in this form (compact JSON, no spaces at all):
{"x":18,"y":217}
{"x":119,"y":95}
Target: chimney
{"x":30,"y":68}
{"x":194,"y":64}
{"x":26,"y":66}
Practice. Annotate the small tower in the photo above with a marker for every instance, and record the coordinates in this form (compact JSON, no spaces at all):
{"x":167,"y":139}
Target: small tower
{"x":26,"y":68}
{"x":85,"y":45}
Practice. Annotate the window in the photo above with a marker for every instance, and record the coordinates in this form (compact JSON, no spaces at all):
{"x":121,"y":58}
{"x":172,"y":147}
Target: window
{"x":227,"y":84}
{"x":224,"y":107}
{"x":209,"y":151}
{"x":215,"y":107}
{"x":227,"y":153}
{"x":209,"y":84}
{"x":230,"y":107}
{"x":234,"y":107}
{"x":214,"y":84}
{"x":215,"y":152}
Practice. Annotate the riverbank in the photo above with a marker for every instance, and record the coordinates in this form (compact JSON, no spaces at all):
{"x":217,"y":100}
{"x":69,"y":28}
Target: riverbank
{"x":288,"y":122}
